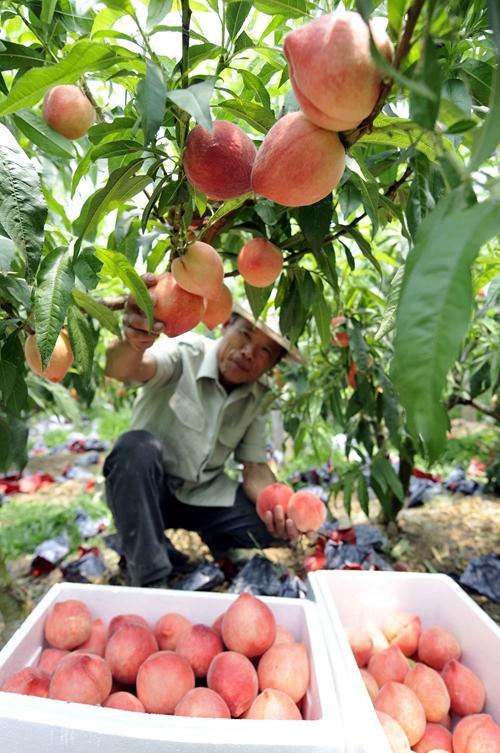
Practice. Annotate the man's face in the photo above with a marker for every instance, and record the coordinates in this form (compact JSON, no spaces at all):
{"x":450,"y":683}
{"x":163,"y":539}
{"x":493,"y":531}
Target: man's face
{"x":245,"y":353}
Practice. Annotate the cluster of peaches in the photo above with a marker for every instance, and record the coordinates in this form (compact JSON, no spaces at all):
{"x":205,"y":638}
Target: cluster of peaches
{"x":244,"y":666}
{"x":305,"y":508}
{"x":426,"y":699}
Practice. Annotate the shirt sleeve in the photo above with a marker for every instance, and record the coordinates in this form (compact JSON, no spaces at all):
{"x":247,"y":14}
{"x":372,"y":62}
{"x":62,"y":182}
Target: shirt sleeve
{"x":252,"y":448}
{"x":167,"y":355}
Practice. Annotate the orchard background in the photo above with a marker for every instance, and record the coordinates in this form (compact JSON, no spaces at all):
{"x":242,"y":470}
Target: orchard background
{"x":403,"y":255}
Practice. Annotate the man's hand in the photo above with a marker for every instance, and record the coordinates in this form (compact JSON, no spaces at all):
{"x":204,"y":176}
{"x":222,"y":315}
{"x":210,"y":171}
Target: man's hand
{"x":256,"y":476}
{"x":135,"y":323}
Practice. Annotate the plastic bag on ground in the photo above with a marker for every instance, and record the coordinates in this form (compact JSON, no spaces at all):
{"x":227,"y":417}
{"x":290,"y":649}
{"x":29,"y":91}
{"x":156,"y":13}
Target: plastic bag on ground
{"x":49,"y":554}
{"x":206,"y":577}
{"x":87,"y":568}
{"x":482,"y":574}
{"x":258,"y":576}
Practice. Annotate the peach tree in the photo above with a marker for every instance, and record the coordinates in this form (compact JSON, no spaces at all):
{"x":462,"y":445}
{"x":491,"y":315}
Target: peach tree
{"x":375,"y":184}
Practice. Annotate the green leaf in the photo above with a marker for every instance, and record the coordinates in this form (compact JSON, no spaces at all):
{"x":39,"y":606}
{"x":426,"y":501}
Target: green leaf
{"x":8,"y":376}
{"x":364,"y":499}
{"x":157,"y":10}
{"x":286,"y":8}
{"x":105,"y":20}
{"x":389,"y":316}
{"x":87,"y":268}
{"x":15,"y":290}
{"x":98,"y":311}
{"x":151,"y":102}
{"x":195,"y":100}
{"x":386,"y":476}
{"x":315,"y":219}
{"x":347,"y":493}
{"x":47,"y":12}
{"x":358,"y":346}
{"x":260,"y":118}
{"x":292,"y":316}
{"x":82,"y":340}
{"x":124,"y":5}
{"x":22,"y":209}
{"x":236,"y":14}
{"x":401,"y":134}
{"x":395,"y":11}
{"x":322,"y":316}
{"x":479,"y":75}
{"x":424,"y":110}
{"x":227,"y":206}
{"x":117,"y":265}
{"x":364,"y":247}
{"x":27,"y":91}
{"x":7,"y":254}
{"x":14,"y":56}
{"x":489,"y":135}
{"x":434,"y":309}
{"x":55,"y":280}
{"x":13,"y":443}
{"x":64,"y":404}
{"x":325,"y":259}
{"x":414,"y":85}
{"x":421,"y":196}
{"x":257,"y":298}
{"x":41,"y":134}
{"x":254,"y":84}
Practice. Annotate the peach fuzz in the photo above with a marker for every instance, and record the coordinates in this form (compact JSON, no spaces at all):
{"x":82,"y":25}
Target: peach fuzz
{"x":59,"y":362}
{"x":234,"y":678}
{"x":81,"y":678}
{"x":395,"y":734}
{"x":219,"y":163}
{"x":273,"y":704}
{"x":283,"y":635}
{"x":217,"y":625}
{"x":403,"y":629}
{"x":388,"y":665}
{"x":467,"y":693}
{"x":435,"y":737}
{"x":178,"y":309}
{"x":68,"y":624}
{"x":338,"y":86}
{"x":199,"y":270}
{"x":50,"y":658}
{"x":68,"y":111}
{"x":260,"y":262}
{"x":126,"y":619}
{"x":218,"y":310}
{"x":96,"y":642}
{"x":402,"y":704}
{"x":370,"y":683}
{"x":436,"y":646}
{"x":124,"y":701}
{"x":163,"y":679}
{"x":272,"y":495}
{"x":298,"y":163}
{"x":477,"y":733}
{"x":307,"y":511}
{"x":431,"y":690}
{"x":169,"y":628}
{"x":203,"y":702}
{"x":28,"y":681}
{"x":361,"y":645}
{"x":199,"y":644}
{"x":285,"y":667}
{"x":248,"y":626}
{"x":127,"y":649}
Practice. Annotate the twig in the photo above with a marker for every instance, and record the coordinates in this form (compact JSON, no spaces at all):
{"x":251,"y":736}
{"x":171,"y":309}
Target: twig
{"x":89,"y":95}
{"x":492,"y":412}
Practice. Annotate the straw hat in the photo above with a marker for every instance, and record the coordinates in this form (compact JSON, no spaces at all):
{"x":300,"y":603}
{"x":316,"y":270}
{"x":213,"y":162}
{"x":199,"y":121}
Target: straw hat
{"x":272,"y":330}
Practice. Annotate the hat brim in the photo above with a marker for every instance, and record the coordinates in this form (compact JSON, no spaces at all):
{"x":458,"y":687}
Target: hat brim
{"x":292,"y":353}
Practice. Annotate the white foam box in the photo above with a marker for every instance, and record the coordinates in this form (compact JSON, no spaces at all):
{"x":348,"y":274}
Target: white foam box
{"x":38,"y":725}
{"x":357,"y":598}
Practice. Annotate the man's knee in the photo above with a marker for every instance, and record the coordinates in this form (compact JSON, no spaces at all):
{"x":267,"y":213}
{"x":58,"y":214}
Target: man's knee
{"x":135,"y":448}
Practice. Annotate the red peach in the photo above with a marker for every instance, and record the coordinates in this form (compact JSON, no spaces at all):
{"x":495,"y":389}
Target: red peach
{"x":394,"y":732}
{"x":361,"y":645}
{"x":28,"y":681}
{"x":199,"y":644}
{"x":178,"y":309}
{"x":476,"y":733}
{"x":307,"y":511}
{"x":127,"y":649}
{"x":96,"y":642}
{"x":217,"y":625}
{"x":272,"y":495}
{"x":260,"y":262}
{"x":68,"y":624}
{"x":199,"y":270}
{"x":59,"y":362}
{"x":402,"y":704}
{"x":273,"y":704}
{"x":285,"y":667}
{"x":248,"y":626}
{"x":435,"y":737}
{"x":233,"y":677}
{"x":467,"y":693}
{"x":81,"y":678}
{"x":403,"y":630}
{"x":50,"y":658}
{"x":203,"y":702}
{"x":168,"y":630}
{"x":370,"y":682}
{"x":283,"y":635}
{"x":163,"y":679}
{"x":430,"y":688}
{"x":68,"y":111}
{"x":219,"y":309}
{"x":436,"y":646}
{"x":389,"y":664}
{"x":126,"y":619}
{"x":125,"y":701}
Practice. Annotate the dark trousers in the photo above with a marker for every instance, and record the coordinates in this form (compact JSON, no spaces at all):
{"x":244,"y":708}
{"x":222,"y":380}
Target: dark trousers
{"x":143,"y":506}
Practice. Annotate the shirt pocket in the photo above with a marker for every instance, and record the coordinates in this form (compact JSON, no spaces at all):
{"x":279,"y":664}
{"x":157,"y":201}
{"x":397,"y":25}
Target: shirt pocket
{"x":187,"y":411}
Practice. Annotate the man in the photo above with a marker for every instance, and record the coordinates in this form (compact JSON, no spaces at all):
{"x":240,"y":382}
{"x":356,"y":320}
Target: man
{"x":200,"y":402}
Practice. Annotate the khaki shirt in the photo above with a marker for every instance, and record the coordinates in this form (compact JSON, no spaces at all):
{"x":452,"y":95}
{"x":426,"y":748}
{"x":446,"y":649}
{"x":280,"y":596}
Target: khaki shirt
{"x":198,"y":422}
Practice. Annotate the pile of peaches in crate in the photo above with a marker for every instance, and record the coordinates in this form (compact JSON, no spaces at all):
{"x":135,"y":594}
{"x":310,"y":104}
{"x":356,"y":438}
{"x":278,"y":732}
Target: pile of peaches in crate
{"x":243,"y":666}
{"x":426,"y":699}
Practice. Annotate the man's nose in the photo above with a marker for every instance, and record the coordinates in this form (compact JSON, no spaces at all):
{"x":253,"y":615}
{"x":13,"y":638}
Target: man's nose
{"x":248,"y":351}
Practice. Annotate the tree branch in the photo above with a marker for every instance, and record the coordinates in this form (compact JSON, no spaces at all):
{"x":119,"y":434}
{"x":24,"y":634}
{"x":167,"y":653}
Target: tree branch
{"x":492,"y":412}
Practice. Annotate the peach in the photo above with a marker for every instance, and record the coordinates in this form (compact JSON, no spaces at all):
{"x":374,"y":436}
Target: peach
{"x":403,"y":630}
{"x":435,"y":737}
{"x":81,"y":678}
{"x":203,"y":702}
{"x":436,"y":646}
{"x":126,"y":619}
{"x":337,"y":86}
{"x":370,"y":682}
{"x":272,"y":495}
{"x":445,"y":721}
{"x":199,"y":270}
{"x":379,"y":641}
{"x":96,"y":642}
{"x":199,"y":644}
{"x":467,"y":693}
{"x":169,"y":628}
{"x":361,"y":645}
{"x":285,"y":667}
{"x":476,"y":733}
{"x":68,"y":111}
{"x":389,"y":664}
{"x":59,"y":362}
{"x":28,"y":681}
{"x":298,"y":163}
{"x":260,"y":262}
{"x":283,"y":635}
{"x":394,"y":732}
{"x":163,"y":679}
{"x":218,"y":310}
{"x":217,"y":625}
{"x":68,"y":624}
{"x":219,"y":164}
{"x":234,"y":678}
{"x":248,"y":626}
{"x":123,"y":700}
{"x":307,"y":511}
{"x":273,"y":704}
{"x":430,"y":688}
{"x":127,"y":649}
{"x":50,"y":658}
{"x":402,"y":704}
{"x":178,"y":309}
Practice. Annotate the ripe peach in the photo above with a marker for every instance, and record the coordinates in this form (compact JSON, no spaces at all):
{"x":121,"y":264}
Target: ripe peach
{"x":28,"y":681}
{"x":338,"y":86}
{"x":307,"y":511}
{"x":436,"y":646}
{"x":467,"y":693}
{"x":59,"y":362}
{"x":219,"y":164}
{"x":199,"y":270}
{"x":203,"y":702}
{"x":123,"y":700}
{"x":370,"y":682}
{"x":403,"y":630}
{"x":273,"y":704}
{"x":361,"y":645}
{"x":351,"y":375}
{"x":126,"y":619}
{"x":219,"y":309}
{"x":68,"y":111}
{"x":68,"y":624}
{"x":217,"y":625}
{"x":234,"y":678}
{"x":248,"y":626}
{"x":81,"y":678}
{"x":50,"y":658}
{"x":272,"y":495}
{"x":402,"y":704}
{"x":169,"y":628}
{"x":126,"y":650}
{"x":163,"y":679}
{"x":476,"y":733}
{"x":260,"y":262}
{"x":435,"y":737}
{"x":430,"y":688}
{"x":379,"y":641}
{"x":394,"y":732}
{"x":283,"y":635}
{"x":96,"y":642}
{"x":199,"y":644}
{"x":178,"y":309}
{"x":285,"y":667}
{"x":389,"y":664}
{"x":298,"y":163}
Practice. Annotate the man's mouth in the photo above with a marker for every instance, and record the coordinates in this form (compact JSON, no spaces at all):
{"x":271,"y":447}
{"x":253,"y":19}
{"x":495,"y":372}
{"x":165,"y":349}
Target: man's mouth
{"x":242,"y":364}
